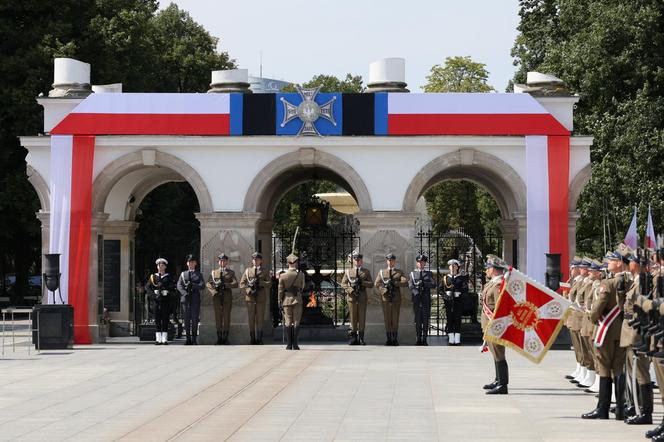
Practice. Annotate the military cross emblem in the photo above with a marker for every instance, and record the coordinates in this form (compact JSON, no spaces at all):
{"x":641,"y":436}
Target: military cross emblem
{"x":308,"y":111}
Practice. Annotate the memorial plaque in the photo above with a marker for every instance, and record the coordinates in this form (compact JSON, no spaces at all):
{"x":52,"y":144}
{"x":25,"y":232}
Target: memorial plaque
{"x":112,"y":275}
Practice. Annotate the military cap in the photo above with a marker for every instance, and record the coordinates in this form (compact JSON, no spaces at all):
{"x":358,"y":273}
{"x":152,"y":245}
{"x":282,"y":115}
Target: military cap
{"x":453,"y":262}
{"x":292,"y":258}
{"x":191,"y":257}
{"x":357,"y":256}
{"x":595,"y":265}
{"x":222,"y":256}
{"x":390,"y":256}
{"x":575,"y":262}
{"x":495,"y":261}
{"x":585,"y":262}
{"x":613,"y":256}
{"x":161,"y":260}
{"x":422,"y":257}
{"x":256,"y":255}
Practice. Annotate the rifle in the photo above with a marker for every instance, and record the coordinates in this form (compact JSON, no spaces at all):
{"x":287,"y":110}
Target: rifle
{"x":255,"y":283}
{"x":220,"y":285}
{"x":357,"y":284}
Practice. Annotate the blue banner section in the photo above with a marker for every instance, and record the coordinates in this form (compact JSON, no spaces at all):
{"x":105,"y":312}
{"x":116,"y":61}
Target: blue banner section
{"x":380,"y":113}
{"x":237,"y":102}
{"x":323,"y":125}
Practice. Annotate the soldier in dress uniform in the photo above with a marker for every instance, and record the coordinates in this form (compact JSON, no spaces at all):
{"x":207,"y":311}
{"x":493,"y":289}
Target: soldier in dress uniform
{"x":220,"y":285}
{"x":355,"y":283}
{"x":606,"y":313}
{"x":587,"y":327}
{"x":421,"y":282}
{"x":388,"y":286}
{"x":255,"y":282}
{"x":454,"y":285}
{"x":495,"y":269}
{"x":291,"y":284}
{"x":574,"y":319}
{"x":159,"y":286}
{"x":587,"y":376}
{"x":190,"y":284}
{"x":576,"y":345}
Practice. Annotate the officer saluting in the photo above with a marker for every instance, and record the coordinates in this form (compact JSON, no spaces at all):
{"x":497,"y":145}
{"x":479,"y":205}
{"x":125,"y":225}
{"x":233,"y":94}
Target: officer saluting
{"x":495,"y":268}
{"x":454,"y":285}
{"x":355,"y":283}
{"x":291,"y":284}
{"x":421,"y":282}
{"x":256,"y":285}
{"x":220,"y":285}
{"x":388,"y":285}
{"x":610,"y":356}
{"x":160,"y":285}
{"x":190,"y":284}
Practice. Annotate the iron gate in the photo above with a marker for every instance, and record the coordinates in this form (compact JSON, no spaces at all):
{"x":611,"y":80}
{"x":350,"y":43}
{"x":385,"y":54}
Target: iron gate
{"x":457,"y":244}
{"x":324,"y":257}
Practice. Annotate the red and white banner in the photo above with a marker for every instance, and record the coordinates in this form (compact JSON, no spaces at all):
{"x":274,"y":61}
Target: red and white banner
{"x":528,"y":316}
{"x":651,"y":239}
{"x":632,"y":237}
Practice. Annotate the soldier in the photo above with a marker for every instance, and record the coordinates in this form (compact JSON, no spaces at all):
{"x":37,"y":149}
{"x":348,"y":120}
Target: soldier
{"x":587,"y":327}
{"x":291,"y":284}
{"x":190,"y":284}
{"x":574,"y":319}
{"x":606,"y":314}
{"x":388,"y":285}
{"x":638,"y":364}
{"x":159,"y":286}
{"x":255,"y":282}
{"x":355,"y":283}
{"x":220,"y":285}
{"x":587,"y":377}
{"x":495,"y":269}
{"x":421,"y":282}
{"x":454,"y":285}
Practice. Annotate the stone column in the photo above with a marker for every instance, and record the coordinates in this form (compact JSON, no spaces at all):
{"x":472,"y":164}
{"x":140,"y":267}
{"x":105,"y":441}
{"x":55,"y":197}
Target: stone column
{"x":572,"y":218}
{"x":510,"y":228}
{"x":45,"y":220}
{"x":233,"y":233}
{"x":380,"y":233}
{"x":123,"y":231}
{"x":98,"y":332}
{"x":522,"y":234}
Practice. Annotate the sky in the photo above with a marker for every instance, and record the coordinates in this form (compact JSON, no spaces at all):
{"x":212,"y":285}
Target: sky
{"x":302,"y":38}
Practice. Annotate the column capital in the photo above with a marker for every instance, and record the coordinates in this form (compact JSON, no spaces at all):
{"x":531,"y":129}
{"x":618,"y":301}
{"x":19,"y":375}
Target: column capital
{"x":98,"y":219}
{"x":115,"y":227}
{"x":386,"y":220}
{"x":229,"y":219}
{"x":44,"y":218}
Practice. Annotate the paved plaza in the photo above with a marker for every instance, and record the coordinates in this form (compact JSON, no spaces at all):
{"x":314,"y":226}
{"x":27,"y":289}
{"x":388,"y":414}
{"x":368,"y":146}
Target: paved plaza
{"x":139,"y":392}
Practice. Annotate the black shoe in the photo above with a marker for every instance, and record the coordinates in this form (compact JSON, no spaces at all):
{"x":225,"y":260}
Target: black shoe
{"x":604,"y":401}
{"x":498,"y":389}
{"x":494,"y":384}
{"x":503,"y":379}
{"x":220,"y":339}
{"x":259,"y":338}
{"x":630,"y":411}
{"x":619,"y":386}
{"x":641,"y":419}
{"x":362,"y":338}
{"x":252,"y":337}
{"x":597,"y":413}
{"x":659,"y":429}
{"x":388,"y":342}
{"x":187,"y":342}
{"x":296,"y":333}
{"x":194,"y":340}
{"x":289,"y":338}
{"x":395,"y":341}
{"x":352,"y":338}
{"x":658,"y":438}
{"x":224,"y":338}
{"x":645,"y":418}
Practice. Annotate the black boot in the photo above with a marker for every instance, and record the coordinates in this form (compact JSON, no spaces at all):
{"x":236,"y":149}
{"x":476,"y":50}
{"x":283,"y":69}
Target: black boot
{"x":659,"y":429}
{"x":424,"y":339}
{"x":289,"y":338}
{"x":259,"y":337}
{"x":188,"y":341}
{"x":645,"y":418}
{"x":604,"y":401}
{"x":220,"y":339}
{"x":224,"y":338}
{"x":493,"y":384}
{"x":352,"y":338}
{"x":503,"y":379}
{"x":296,"y":333}
{"x":361,"y":341}
{"x":194,"y":340}
{"x":389,"y":338}
{"x":395,"y":341}
{"x":252,"y":335}
{"x":619,"y":385}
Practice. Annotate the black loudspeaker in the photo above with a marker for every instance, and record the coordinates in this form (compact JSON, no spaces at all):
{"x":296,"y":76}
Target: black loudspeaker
{"x":56,"y":326}
{"x":52,"y":273}
{"x":553,"y":271}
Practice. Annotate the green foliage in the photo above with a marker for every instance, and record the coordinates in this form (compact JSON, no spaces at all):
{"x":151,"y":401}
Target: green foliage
{"x":612,"y":54}
{"x":125,"y":41}
{"x":330,"y":83}
{"x":461,"y":204}
{"x":458,"y":74}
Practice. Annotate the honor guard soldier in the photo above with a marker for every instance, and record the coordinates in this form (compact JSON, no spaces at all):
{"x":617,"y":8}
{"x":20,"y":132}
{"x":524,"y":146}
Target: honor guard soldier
{"x":421,"y":282}
{"x":574,"y":319}
{"x":587,"y":376}
{"x":255,"y":282}
{"x":388,"y":285}
{"x":606,"y":313}
{"x":220,"y":285}
{"x":291,"y":284}
{"x":495,"y":269}
{"x":190,"y":284}
{"x":587,"y":327}
{"x":159,"y":286}
{"x":355,"y":283}
{"x":453,"y":286}
{"x":576,"y":345}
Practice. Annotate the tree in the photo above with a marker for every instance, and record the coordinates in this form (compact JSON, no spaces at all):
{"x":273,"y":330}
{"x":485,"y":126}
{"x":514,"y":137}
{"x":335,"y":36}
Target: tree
{"x":458,"y":74}
{"x":125,"y":41}
{"x":461,"y":204}
{"x":612,"y":54}
{"x":330,"y":83}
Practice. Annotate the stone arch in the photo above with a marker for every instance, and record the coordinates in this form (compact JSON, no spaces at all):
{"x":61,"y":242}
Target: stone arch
{"x":576,"y":186}
{"x":41,"y":188}
{"x":113,"y":172}
{"x":293,"y":168}
{"x":496,"y":176}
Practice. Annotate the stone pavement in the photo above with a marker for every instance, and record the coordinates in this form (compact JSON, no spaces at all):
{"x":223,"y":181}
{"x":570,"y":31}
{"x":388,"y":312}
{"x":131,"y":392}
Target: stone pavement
{"x":139,"y":392}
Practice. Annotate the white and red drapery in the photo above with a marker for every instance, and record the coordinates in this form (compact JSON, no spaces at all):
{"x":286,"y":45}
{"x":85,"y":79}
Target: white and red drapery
{"x":72,"y":158}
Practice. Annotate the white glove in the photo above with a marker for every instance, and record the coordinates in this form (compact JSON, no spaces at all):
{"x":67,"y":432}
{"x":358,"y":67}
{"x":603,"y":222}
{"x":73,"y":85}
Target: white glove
{"x":457,"y":294}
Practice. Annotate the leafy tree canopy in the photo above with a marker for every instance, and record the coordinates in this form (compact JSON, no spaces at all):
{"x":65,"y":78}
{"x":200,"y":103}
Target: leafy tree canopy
{"x":330,"y":83}
{"x":458,"y":74}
